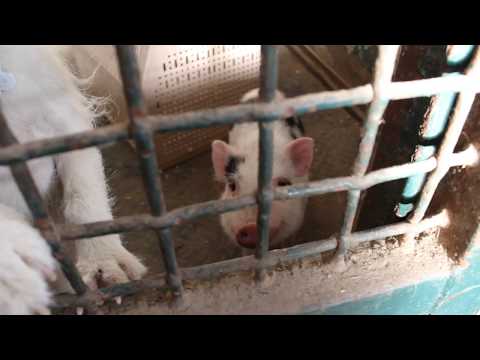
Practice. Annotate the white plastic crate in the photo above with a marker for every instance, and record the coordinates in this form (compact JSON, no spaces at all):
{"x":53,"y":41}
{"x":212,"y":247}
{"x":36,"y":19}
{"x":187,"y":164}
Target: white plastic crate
{"x":175,"y":79}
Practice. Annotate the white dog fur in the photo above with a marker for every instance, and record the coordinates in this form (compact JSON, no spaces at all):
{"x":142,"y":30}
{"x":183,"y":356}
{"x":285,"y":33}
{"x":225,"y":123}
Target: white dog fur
{"x":47,"y":102}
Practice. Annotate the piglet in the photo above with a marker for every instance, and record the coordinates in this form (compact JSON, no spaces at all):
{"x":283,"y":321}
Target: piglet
{"x":236,"y":165}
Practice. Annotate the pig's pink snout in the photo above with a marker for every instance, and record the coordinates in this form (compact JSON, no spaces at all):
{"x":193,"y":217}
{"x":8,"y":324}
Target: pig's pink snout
{"x":247,"y":236}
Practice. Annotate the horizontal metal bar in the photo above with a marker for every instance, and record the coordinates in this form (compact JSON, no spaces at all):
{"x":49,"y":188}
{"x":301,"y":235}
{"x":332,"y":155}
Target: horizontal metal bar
{"x":181,"y":215}
{"x":263,"y":112}
{"x":147,"y":222}
{"x":310,"y":103}
{"x":238,"y":113}
{"x":190,"y":120}
{"x":356,"y":238}
{"x":112,"y":292}
{"x":441,"y":220}
{"x":247,"y":263}
{"x":400,"y":90}
{"x":57,"y":145}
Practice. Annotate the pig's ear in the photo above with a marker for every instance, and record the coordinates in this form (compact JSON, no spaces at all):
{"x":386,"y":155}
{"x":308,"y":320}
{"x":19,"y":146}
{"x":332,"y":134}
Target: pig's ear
{"x":221,"y":153}
{"x":300,"y":151}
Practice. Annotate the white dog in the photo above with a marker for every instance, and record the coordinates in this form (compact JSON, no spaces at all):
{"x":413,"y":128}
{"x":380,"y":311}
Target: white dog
{"x":41,"y":98}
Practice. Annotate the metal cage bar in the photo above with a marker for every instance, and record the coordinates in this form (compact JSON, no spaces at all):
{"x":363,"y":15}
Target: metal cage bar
{"x":383,"y":74}
{"x":230,"y":115}
{"x":181,"y":215}
{"x":268,"y":89}
{"x":148,"y":162}
{"x":270,"y":260}
{"x":142,"y":127}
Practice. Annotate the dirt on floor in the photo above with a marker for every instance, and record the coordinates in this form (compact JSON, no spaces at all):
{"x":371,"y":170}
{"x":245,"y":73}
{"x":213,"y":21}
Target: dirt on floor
{"x":302,"y":286}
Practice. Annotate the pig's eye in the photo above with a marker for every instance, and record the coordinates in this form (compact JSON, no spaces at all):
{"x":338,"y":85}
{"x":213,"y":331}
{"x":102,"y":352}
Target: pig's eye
{"x":232,"y":186}
{"x":283,"y":182}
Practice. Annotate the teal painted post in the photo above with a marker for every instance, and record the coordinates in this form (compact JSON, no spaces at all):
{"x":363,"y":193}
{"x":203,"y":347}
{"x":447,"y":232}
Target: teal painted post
{"x":434,"y":125}
{"x":432,"y":129}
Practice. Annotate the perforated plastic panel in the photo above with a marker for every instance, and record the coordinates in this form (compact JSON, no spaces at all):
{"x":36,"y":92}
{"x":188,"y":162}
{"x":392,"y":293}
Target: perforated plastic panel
{"x":191,"y":77}
{"x":176,"y":78}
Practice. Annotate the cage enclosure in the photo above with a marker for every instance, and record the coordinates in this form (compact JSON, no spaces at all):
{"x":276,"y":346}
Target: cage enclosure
{"x":392,"y":220}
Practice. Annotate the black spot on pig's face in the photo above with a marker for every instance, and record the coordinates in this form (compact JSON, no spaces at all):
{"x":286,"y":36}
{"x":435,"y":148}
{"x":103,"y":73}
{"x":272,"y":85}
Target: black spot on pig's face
{"x":231,"y":174}
{"x":231,"y":167}
{"x":295,"y":126}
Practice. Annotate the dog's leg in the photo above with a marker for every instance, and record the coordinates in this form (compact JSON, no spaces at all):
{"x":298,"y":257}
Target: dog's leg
{"x":86,"y":200}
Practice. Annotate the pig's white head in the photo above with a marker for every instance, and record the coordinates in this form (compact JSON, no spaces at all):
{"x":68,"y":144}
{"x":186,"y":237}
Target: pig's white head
{"x":236,"y":165}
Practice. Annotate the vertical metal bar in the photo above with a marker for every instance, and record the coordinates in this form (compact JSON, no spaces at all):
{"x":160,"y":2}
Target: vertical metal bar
{"x":268,"y":73}
{"x":454,"y":130}
{"x":42,"y":221}
{"x":148,"y":162}
{"x":268,"y":88}
{"x":384,"y":68}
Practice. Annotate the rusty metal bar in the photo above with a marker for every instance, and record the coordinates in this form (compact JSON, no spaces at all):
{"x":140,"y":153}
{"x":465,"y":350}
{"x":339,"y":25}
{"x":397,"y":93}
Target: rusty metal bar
{"x":110,"y":293}
{"x":229,"y":115}
{"x":271,"y":259}
{"x":262,"y":112}
{"x":190,"y":120}
{"x":26,"y":184}
{"x":383,"y":74}
{"x":179,"y":216}
{"x":268,"y":89}
{"x":399,"y":90}
{"x":57,"y":145}
{"x":143,"y":136}
{"x":452,"y":135}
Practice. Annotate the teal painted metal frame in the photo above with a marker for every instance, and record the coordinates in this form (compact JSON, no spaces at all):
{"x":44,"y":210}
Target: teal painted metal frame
{"x":456,"y":294}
